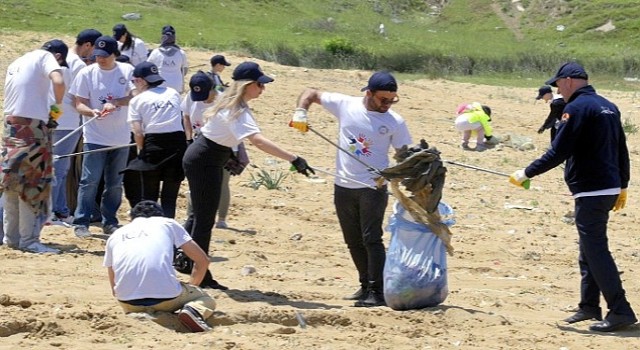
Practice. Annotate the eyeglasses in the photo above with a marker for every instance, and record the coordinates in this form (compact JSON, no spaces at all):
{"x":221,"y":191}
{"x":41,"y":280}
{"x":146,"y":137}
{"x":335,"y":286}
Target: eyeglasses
{"x":388,"y":101}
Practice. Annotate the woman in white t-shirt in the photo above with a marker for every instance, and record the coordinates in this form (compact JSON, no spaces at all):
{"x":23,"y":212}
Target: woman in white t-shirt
{"x":156,"y":121}
{"x":229,"y":122}
{"x":170,"y":59}
{"x":130,"y":45}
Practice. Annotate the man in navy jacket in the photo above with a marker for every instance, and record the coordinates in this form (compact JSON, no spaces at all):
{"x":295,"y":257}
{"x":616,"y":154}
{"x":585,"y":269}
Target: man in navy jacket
{"x":591,"y":140}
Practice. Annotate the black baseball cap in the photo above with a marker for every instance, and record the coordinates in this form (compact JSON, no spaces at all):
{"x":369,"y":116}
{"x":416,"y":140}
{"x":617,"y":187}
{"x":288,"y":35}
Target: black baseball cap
{"x":200,"y":85}
{"x":250,"y":71}
{"x":105,"y":46}
{"x":147,"y":71}
{"x":568,"y":70}
{"x":168,"y":29}
{"x":119,"y":30}
{"x":57,"y":46}
{"x":219,"y":59}
{"x":88,"y":36}
{"x":382,"y":81}
{"x":543,"y":90}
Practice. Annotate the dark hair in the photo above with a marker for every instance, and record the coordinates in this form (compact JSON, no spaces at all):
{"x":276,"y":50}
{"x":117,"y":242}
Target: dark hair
{"x":146,"y":209}
{"x":154,"y":84}
{"x":128,"y":41}
{"x":486,"y":109}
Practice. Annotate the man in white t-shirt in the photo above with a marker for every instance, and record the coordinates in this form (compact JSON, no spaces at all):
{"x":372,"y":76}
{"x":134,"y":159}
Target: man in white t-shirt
{"x":367,"y":129}
{"x":64,"y":141}
{"x":29,"y":119}
{"x":139,"y":259}
{"x":102,"y":91}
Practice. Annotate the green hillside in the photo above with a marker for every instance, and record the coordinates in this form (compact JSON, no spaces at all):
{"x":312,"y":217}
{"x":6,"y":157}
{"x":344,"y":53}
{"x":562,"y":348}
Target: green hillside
{"x":440,"y":38}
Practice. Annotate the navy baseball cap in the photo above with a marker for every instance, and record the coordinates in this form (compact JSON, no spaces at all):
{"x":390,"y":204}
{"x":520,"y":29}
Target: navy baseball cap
{"x":250,"y":71}
{"x":57,"y":46}
{"x":219,"y":59}
{"x":200,"y":85}
{"x":383,"y":81}
{"x":568,"y":70}
{"x":546,"y":89}
{"x":147,"y":71}
{"x":87,"y":36}
{"x":105,"y":46}
{"x":168,"y":29}
{"x":119,"y":30}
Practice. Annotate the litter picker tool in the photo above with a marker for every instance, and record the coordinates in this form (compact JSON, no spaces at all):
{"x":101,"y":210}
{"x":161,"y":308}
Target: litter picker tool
{"x":525,"y":184}
{"x":344,"y":178}
{"x":111,"y":148}
{"x":80,"y":128}
{"x":369,"y":167}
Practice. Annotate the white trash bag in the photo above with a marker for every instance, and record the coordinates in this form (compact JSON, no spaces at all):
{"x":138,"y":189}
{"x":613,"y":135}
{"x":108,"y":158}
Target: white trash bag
{"x":415,"y":270}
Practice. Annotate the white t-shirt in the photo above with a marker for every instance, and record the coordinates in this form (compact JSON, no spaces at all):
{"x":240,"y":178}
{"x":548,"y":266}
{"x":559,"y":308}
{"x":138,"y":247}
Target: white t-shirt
{"x":27,"y":84}
{"x":368,"y":135}
{"x":171,"y":62}
{"x":141,"y":255}
{"x":137,"y":52}
{"x":158,"y":109}
{"x":195,"y":110}
{"x":70,"y":118}
{"x":101,"y":86}
{"x":230,"y":133}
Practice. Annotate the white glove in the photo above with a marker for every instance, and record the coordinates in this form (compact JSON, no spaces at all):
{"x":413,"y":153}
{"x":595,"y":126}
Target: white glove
{"x":299,"y":120}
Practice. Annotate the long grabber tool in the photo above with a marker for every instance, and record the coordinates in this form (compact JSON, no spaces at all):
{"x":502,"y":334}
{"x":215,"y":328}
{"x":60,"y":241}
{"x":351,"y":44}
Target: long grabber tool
{"x":111,"y":148}
{"x":369,"y":167}
{"x":344,"y":178}
{"x":103,"y":114}
{"x":525,"y":184}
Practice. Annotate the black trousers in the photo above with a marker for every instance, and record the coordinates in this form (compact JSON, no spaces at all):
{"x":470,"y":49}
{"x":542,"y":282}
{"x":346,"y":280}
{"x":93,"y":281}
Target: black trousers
{"x":597,"y":268}
{"x":361,"y":214}
{"x":203,"y":165}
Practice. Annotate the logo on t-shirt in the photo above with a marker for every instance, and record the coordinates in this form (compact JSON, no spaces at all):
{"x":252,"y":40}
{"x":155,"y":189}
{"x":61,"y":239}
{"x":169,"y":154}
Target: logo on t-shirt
{"x":360,"y":145}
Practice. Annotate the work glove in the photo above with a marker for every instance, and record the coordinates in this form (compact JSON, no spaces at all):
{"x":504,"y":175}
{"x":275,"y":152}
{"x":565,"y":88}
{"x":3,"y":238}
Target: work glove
{"x":301,"y":166}
{"x":299,"y":120}
{"x":621,"y":201}
{"x":520,"y":179}
{"x":55,"y":111}
{"x":541,"y":130}
{"x":491,"y":140}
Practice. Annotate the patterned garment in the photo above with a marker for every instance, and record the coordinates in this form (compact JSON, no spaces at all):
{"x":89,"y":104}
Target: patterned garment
{"x":26,"y":161}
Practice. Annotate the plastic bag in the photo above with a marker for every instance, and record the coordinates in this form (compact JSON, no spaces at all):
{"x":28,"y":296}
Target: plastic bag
{"x":415,"y":270}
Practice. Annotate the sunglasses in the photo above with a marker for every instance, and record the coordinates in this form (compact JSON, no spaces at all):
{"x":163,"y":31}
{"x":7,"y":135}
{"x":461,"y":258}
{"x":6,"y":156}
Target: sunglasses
{"x":259,"y":84}
{"x":388,"y":101}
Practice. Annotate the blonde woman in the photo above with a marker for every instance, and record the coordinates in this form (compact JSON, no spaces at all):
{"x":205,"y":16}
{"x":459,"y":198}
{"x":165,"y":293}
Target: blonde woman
{"x":226,"y":126}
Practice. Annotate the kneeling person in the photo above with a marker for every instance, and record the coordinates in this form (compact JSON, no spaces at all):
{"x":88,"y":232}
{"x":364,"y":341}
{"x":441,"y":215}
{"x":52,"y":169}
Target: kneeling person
{"x":139,"y":259}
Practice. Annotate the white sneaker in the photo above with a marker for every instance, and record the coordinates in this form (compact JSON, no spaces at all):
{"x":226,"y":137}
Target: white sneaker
{"x":40,"y":248}
{"x":82,"y":231}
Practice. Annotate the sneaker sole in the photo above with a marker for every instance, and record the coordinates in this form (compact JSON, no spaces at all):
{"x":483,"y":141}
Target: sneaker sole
{"x":191,"y":322}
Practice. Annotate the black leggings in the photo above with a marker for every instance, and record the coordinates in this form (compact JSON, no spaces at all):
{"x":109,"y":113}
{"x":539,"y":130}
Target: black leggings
{"x":203,"y":164}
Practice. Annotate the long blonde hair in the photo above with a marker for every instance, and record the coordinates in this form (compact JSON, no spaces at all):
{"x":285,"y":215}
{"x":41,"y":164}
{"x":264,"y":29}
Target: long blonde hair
{"x":232,"y":100}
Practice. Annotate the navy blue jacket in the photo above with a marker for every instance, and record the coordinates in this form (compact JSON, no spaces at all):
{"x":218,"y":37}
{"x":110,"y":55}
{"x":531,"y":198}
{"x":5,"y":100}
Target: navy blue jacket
{"x":591,"y":139}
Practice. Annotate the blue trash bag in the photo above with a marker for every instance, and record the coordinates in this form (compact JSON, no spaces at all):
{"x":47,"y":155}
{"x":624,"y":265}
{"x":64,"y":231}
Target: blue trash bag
{"x":415,"y":270}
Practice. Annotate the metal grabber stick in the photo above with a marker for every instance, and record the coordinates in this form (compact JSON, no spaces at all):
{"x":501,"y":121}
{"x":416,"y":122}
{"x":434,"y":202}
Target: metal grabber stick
{"x":111,"y":148}
{"x":80,"y":128}
{"x":525,"y":184}
{"x":369,"y":167}
{"x":345,"y":178}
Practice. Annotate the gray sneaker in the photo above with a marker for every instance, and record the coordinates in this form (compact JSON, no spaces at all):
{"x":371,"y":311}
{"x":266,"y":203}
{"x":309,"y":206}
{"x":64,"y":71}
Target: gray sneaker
{"x":110,"y":229}
{"x":82,"y":231}
{"x":40,"y":248}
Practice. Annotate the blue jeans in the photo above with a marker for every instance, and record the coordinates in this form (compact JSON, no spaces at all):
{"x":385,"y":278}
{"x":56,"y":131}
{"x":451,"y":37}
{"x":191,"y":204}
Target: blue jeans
{"x":107,"y":164}
{"x":61,"y":169}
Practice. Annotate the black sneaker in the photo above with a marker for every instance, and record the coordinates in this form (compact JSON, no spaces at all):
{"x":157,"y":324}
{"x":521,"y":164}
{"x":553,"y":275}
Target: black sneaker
{"x":373,"y":299}
{"x":213,"y":284}
{"x":192,"y":319}
{"x":360,"y":294}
